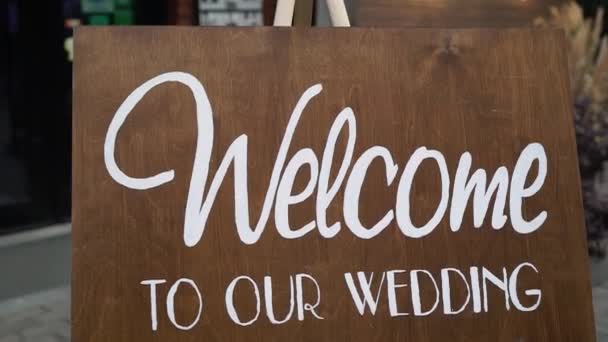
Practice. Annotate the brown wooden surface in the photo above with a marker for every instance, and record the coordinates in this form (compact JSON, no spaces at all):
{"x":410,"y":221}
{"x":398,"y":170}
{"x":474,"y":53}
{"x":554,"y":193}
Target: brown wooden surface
{"x":449,"y":13}
{"x":489,"y":92}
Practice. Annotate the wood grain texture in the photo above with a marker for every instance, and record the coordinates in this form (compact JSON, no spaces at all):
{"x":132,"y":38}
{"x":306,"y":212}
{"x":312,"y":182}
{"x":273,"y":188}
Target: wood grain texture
{"x":449,"y":13}
{"x":490,"y":92}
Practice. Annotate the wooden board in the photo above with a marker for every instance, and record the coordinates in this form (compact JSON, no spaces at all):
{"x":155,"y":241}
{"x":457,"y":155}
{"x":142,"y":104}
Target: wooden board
{"x":500,"y":97}
{"x":449,"y":13}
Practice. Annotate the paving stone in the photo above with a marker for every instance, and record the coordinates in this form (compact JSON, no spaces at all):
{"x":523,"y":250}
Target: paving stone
{"x":42,"y":317}
{"x":25,"y":313}
{"x":41,"y":339}
{"x":64,"y":331}
{"x":63,"y":338}
{"x":10,"y":338}
{"x":15,"y":326}
{"x":37,"y":330}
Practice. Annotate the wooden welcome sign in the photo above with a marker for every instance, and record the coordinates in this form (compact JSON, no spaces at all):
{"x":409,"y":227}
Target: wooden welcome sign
{"x":265,"y":184}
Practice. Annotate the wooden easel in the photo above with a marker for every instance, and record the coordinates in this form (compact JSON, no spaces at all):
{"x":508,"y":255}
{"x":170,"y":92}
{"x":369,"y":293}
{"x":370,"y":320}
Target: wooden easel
{"x":284,"y":14}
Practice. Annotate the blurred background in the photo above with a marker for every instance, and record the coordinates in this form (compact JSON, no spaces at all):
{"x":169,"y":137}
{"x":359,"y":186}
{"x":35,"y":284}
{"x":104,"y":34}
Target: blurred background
{"x":35,"y":136}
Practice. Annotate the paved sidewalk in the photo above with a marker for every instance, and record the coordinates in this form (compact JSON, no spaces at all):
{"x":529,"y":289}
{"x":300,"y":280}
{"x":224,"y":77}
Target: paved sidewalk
{"x":44,"y":317}
{"x":600,"y":306}
{"x":41,"y":317}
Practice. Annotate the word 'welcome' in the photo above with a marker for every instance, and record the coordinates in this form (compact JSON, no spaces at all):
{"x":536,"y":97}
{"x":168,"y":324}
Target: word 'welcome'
{"x":280,"y":194}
